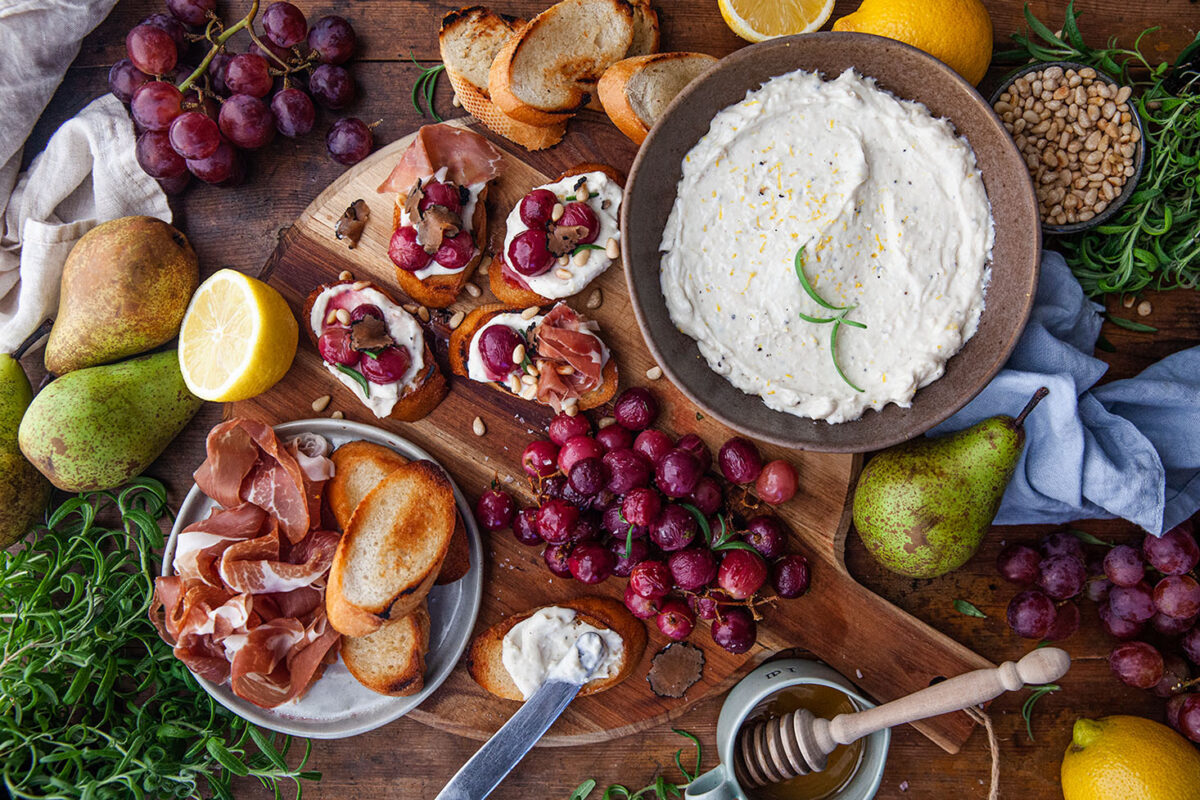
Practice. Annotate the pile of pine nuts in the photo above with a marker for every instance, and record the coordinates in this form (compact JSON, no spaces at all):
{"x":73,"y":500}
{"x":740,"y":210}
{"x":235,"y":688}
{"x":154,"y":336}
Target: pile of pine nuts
{"x":1077,"y":135}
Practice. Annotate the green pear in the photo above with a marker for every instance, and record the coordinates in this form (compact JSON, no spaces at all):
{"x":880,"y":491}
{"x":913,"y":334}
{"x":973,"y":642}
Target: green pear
{"x":922,"y":508}
{"x":24,"y":493}
{"x":96,"y":428}
{"x":125,"y":287}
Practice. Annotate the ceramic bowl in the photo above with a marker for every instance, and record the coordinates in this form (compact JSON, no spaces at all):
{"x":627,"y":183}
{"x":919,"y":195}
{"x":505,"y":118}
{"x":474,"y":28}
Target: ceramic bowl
{"x":910,"y":74}
{"x":1139,"y":157}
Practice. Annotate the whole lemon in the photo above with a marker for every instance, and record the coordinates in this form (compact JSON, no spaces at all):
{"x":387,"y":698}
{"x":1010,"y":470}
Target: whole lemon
{"x":959,"y":32}
{"x":1123,"y":757}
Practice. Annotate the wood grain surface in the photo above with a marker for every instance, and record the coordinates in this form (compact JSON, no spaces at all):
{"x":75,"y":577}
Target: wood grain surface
{"x":241,"y":227}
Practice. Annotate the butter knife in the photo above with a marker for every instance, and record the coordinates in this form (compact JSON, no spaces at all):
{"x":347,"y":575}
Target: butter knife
{"x":492,"y":762}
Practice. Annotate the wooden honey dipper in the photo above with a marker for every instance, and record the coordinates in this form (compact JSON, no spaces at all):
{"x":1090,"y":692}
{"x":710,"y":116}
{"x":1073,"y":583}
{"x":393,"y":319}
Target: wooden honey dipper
{"x":780,"y":748}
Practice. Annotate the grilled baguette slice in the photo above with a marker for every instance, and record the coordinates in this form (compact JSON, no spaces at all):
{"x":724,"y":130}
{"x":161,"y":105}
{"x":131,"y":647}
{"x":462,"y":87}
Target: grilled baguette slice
{"x":487,"y":668}
{"x":439,"y":291}
{"x":646,"y":39}
{"x":636,"y":91}
{"x":392,"y":550}
{"x":544,"y":73}
{"x":391,"y":660}
{"x":460,"y":348}
{"x":469,"y":40}
{"x":359,"y":466}
{"x":508,"y":290}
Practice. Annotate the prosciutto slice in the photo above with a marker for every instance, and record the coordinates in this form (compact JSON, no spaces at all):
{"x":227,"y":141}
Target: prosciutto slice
{"x":247,"y":602}
{"x":468,"y":157}
{"x":563,"y":338}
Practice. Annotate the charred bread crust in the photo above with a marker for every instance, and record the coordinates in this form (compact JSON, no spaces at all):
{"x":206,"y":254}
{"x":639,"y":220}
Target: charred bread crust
{"x":613,"y":173}
{"x":427,"y":389}
{"x":358,"y":654}
{"x":457,"y":562}
{"x":487,"y":669}
{"x":460,"y":348}
{"x":481,"y":107}
{"x":439,"y":291}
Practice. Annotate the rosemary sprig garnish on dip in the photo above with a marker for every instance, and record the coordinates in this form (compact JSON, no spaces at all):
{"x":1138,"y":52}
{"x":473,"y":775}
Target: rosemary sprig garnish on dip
{"x":838,"y":320}
{"x":426,"y":84}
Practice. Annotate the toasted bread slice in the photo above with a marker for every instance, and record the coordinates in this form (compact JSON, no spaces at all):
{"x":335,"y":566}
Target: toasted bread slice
{"x":646,"y":39}
{"x":460,"y":347}
{"x":546,"y":70}
{"x":391,"y":552}
{"x":359,"y":466}
{"x":427,"y":389}
{"x":469,"y":40}
{"x":486,"y":666}
{"x":637,"y":90}
{"x":439,"y":291}
{"x":391,"y":660}
{"x":503,"y":285}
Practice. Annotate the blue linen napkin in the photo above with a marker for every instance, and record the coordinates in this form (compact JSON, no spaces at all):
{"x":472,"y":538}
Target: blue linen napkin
{"x":1129,"y":448}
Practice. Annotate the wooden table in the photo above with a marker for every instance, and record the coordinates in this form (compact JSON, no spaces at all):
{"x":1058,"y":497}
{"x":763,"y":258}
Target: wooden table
{"x":239,"y":228}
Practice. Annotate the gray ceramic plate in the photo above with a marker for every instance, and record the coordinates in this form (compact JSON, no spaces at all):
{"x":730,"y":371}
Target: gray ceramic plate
{"x":910,"y":74}
{"x":337,"y":705}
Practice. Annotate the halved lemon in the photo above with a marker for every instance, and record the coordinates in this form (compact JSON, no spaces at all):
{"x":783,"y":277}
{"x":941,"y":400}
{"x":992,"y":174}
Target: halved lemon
{"x":238,"y":338}
{"x":756,"y":20}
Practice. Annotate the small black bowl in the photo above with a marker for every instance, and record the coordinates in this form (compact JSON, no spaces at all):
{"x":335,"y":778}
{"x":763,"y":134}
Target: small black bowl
{"x":1139,"y":157}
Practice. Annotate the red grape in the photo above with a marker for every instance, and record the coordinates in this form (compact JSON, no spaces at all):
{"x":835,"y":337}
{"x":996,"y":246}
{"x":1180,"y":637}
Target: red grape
{"x":1116,"y":627}
{"x":155,"y":104}
{"x":1097,"y":589}
{"x":174,"y":186}
{"x":388,"y":366}
{"x":556,"y":520}
{"x":1175,"y":672}
{"x":1191,"y":645}
{"x":614,"y":437}
{"x":284,"y":24}
{"x":673,"y":529}
{"x":220,"y":167}
{"x":581,"y":214}
{"x":525,"y":527}
{"x":766,"y":534}
{"x":335,"y":347}
{"x":676,"y":620}
{"x":456,"y":251}
{"x":497,"y":344}
{"x":591,"y":562}
{"x":640,"y":606}
{"x":706,"y":495}
{"x":562,"y":428}
{"x":294,"y":112}
{"x":495,"y":509}
{"x":739,"y":460}
{"x":364,"y":310}
{"x":576,"y":449}
{"x":586,"y":476}
{"x":539,"y":458}
{"x":193,"y":12}
{"x":777,"y":483}
{"x":1174,"y":706}
{"x":217,"y":69}
{"x":194,"y":135}
{"x":1031,"y":614}
{"x":790,"y":575}
{"x":246,"y":121}
{"x":408,"y":255}
{"x":1172,"y":626}
{"x":692,"y":568}
{"x":173,"y":28}
{"x":1066,"y":622}
{"x":1123,"y":565}
{"x":156,"y":158}
{"x":332,"y":38}
{"x":349,"y":141}
{"x":1061,"y":543}
{"x":641,"y":506}
{"x":1173,"y":553}
{"x":1188,"y":717}
{"x":248,"y":73}
{"x":1177,"y":596}
{"x":124,"y":79}
{"x":529,"y":253}
{"x":536,"y":208}
{"x":627,"y":470}
{"x":151,"y":49}
{"x":638,"y":551}
{"x":1061,"y":577}
{"x":691,"y":443}
{"x":1132,"y":603}
{"x":735,"y":630}
{"x":653,"y":444}
{"x":1136,"y":664}
{"x":650,"y":578}
{"x":557,"y":558}
{"x":437,"y":193}
{"x":677,"y":473}
{"x":1018,"y":564}
{"x":331,"y":86}
{"x":741,"y":574}
{"x":705,"y":605}
{"x":635,"y":409}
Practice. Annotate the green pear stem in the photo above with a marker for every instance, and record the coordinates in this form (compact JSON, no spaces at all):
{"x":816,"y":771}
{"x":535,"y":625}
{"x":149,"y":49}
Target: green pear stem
{"x":41,"y":331}
{"x":1033,"y":401}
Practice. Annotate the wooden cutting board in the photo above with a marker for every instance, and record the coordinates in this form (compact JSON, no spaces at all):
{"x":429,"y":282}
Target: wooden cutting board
{"x":883,"y":650}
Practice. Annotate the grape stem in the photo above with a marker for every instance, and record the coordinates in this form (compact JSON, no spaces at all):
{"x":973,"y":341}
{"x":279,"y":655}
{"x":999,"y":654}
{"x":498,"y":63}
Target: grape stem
{"x":219,"y":42}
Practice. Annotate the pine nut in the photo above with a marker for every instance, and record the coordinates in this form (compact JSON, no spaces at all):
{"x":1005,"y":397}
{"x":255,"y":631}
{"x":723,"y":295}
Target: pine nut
{"x":514,"y":383}
{"x":484,"y":265}
{"x":321,"y":403}
{"x":359,"y":285}
{"x":1144,"y":308}
{"x":528,"y":380}
{"x":594,"y":299}
{"x":331,"y":317}
{"x":612,"y":249}
{"x":654,"y":373}
{"x":564,"y":260}
{"x":1127,"y":301}
{"x":605,"y":422}
{"x":531,"y":369}
{"x":423,"y":313}
{"x":345,"y":275}
{"x":570,"y":411}
{"x":472,"y":289}
{"x":456,"y":320}
{"x":518,"y":354}
{"x":411,"y":308}
{"x":562,"y":274}
{"x":478,"y":427}
{"x":582,"y":257}
{"x":454,"y":101}
{"x":337,"y":415}
{"x":565,"y":369}
{"x":343,"y":316}
{"x":529,"y":313}
{"x":582,"y":194}
{"x":556,"y":212}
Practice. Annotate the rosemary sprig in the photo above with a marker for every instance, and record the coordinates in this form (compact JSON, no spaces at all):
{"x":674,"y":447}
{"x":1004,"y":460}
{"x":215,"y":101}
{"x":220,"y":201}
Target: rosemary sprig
{"x":838,"y":320}
{"x":1037,"y":693}
{"x":660,"y":789}
{"x":357,"y":377}
{"x":582,"y":247}
{"x":426,"y":85}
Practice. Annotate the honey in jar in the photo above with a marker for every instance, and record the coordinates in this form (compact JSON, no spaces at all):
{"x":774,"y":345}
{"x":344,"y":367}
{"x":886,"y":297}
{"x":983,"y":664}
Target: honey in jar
{"x":824,"y":702}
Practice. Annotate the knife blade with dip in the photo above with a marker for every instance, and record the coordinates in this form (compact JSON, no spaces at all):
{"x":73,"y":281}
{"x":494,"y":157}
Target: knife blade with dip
{"x":491,"y":763}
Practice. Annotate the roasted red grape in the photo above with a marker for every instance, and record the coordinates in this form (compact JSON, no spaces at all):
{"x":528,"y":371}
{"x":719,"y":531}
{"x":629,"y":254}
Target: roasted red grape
{"x":790,"y":575}
{"x":1172,"y":626}
{"x":777,"y":483}
{"x":1018,"y":564}
{"x":735,"y":630}
{"x":1137,"y":664}
{"x":653,"y":444}
{"x":284,"y":24}
{"x":529,"y":253}
{"x":194,"y":135}
{"x":223,"y":165}
{"x":539,"y":459}
{"x":1061,"y":577}
{"x":1066,"y":622}
{"x":524,"y":527}
{"x":156,"y":157}
{"x":673,"y":529}
{"x":640,"y":606}
{"x":706,"y":495}
{"x":586,"y":476}
{"x":246,"y":121}
{"x":693,"y":444}
{"x":692,"y":568}
{"x":335,"y":347}
{"x":495,"y":509}
{"x":1132,"y":603}
{"x":331,"y":86}
{"x":193,"y":12}
{"x":536,"y":208}
{"x":741,"y":574}
{"x":705,"y":605}
{"x":628,"y":555}
{"x":406,"y":253}
{"x":1191,"y":645}
{"x":1096,"y":589}
{"x":562,"y":428}
{"x":677,"y":473}
{"x":576,"y":449}
{"x":627,"y":470}
{"x":440,"y":194}
{"x":650,"y":578}
{"x":456,"y":251}
{"x":581,"y":214}
{"x":151,"y":49}
{"x":591,"y":562}
{"x":248,"y":73}
{"x":556,"y":520}
{"x":556,"y":557}
{"x":388,"y":366}
{"x":1173,"y":553}
{"x":614,"y":437}
{"x":1123,"y":566}
{"x":294,"y":112}
{"x":676,"y":620}
{"x":155,"y":104}
{"x":1177,"y":596}
{"x":635,"y":409}
{"x":641,"y":506}
{"x":1031,"y":614}
{"x":766,"y":534}
{"x":349,"y":140}
{"x":124,"y":79}
{"x":739,"y":460}
{"x":333,"y":38}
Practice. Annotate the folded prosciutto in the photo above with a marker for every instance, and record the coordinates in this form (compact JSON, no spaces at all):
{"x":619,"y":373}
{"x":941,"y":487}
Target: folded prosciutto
{"x":246,"y":601}
{"x":468,"y":158}
{"x":565,"y":340}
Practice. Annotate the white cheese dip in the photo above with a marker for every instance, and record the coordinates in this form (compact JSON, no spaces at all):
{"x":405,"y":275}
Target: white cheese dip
{"x":891,"y":210}
{"x":542,"y":646}
{"x":606,"y":205}
{"x":401,"y":326}
{"x":468,"y":220}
